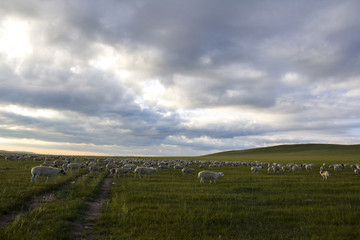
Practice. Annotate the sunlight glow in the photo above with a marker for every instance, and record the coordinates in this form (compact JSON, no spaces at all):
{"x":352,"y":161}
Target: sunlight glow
{"x":14,"y":38}
{"x":153,"y":90}
{"x":29,"y":112}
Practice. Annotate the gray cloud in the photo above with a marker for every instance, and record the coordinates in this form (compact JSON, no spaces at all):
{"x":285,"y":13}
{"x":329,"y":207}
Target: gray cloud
{"x":131,"y":74}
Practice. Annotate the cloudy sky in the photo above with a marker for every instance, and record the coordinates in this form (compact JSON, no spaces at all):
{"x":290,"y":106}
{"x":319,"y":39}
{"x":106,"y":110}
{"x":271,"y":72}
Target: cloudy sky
{"x":170,"y":77}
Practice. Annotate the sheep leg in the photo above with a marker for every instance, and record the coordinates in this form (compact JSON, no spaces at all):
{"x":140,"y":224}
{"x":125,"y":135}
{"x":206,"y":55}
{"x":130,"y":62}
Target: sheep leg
{"x":47,"y":179}
{"x":31,"y":180}
{"x":36,"y":179}
{"x":54,"y":179}
{"x":201,"y":180}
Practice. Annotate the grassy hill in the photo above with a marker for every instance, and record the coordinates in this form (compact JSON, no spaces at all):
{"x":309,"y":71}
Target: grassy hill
{"x":295,"y":152}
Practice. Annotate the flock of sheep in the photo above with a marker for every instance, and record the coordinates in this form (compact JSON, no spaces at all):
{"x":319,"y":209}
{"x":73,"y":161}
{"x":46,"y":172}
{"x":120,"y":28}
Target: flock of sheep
{"x":276,"y":167}
{"x":117,"y":167}
{"x":138,"y":166}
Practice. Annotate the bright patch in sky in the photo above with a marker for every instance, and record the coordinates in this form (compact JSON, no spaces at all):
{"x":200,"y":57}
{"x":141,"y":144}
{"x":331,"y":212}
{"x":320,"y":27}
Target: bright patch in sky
{"x":14,"y":38}
{"x":175,"y":77}
{"x":29,"y":112}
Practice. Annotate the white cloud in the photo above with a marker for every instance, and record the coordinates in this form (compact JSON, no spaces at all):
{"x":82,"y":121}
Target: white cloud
{"x":138,"y":78}
{"x":15,"y":40}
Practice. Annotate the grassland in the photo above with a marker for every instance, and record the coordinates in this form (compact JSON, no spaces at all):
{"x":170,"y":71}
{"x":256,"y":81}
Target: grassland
{"x":170,"y":205}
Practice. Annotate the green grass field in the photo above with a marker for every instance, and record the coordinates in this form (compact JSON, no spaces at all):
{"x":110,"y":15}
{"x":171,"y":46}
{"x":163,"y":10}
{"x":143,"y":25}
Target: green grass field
{"x":170,"y":205}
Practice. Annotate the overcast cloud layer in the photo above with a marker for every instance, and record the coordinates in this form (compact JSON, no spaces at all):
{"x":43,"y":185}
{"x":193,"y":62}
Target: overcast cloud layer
{"x":170,"y":77}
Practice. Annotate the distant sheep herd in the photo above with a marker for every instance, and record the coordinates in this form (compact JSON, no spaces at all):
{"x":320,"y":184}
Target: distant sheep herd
{"x":54,"y":165}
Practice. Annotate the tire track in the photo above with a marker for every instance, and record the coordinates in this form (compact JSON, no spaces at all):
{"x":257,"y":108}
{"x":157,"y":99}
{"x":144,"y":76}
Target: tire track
{"x":84,"y":226}
{"x":35,"y":202}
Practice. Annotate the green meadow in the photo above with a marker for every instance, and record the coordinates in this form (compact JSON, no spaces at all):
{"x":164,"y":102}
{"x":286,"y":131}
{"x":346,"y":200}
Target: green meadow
{"x":170,"y":205}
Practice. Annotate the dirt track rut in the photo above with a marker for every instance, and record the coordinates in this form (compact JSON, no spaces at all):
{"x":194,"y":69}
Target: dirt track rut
{"x":84,"y":227}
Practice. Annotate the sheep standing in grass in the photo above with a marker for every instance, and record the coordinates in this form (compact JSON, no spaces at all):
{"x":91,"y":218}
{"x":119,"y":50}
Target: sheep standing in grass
{"x":95,"y":168}
{"x":212,"y":176}
{"x":48,"y":164}
{"x":45,"y":172}
{"x":187,"y":170}
{"x":122,"y":171}
{"x":308,"y":167}
{"x":296,"y":168}
{"x":286,"y":168}
{"x":146,"y":170}
{"x":357,"y":171}
{"x":73,"y":166}
{"x":325,"y":174}
{"x":256,"y":169}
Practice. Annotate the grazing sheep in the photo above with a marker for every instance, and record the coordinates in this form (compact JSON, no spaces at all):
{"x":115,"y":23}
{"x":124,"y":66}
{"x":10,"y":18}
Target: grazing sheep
{"x":59,"y":163}
{"x":325,"y":174}
{"x":338,"y":167}
{"x":120,"y":171}
{"x":45,"y":172}
{"x":202,"y":165}
{"x":110,"y":166}
{"x":130,"y":165}
{"x":256,"y":169}
{"x":178,"y":167}
{"x":309,"y":167}
{"x":72,"y":166}
{"x":212,"y":176}
{"x":187,"y":170}
{"x":286,"y":168}
{"x":296,"y":168}
{"x":146,"y":170}
{"x":48,"y":164}
{"x":357,"y":171}
{"x":95,"y":168}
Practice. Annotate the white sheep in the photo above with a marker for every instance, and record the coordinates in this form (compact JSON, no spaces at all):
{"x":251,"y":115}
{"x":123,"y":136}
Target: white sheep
{"x":357,"y":171}
{"x":110,"y":166}
{"x":325,"y":174}
{"x":48,"y":164}
{"x":95,"y":168}
{"x":130,"y":165}
{"x":146,"y":170}
{"x":338,"y":167}
{"x":309,"y":167}
{"x":296,"y":168}
{"x":45,"y":172}
{"x":187,"y":170}
{"x":271,"y":169}
{"x":120,"y":171}
{"x":72,"y":166}
{"x":59,"y":163}
{"x":286,"y":168}
{"x":256,"y":169}
{"x":212,"y":176}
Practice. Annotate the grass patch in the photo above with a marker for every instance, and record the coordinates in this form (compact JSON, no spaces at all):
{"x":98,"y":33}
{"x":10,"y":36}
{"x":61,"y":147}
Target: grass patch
{"x":242,"y":205}
{"x":54,"y":220}
{"x":15,"y":186}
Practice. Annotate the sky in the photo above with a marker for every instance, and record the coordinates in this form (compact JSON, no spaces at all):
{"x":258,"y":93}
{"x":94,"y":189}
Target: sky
{"x":177,"y":78}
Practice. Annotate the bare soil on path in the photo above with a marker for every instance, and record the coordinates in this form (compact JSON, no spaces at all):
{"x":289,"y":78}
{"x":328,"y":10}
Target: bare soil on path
{"x":84,"y":226}
{"x":33,"y":203}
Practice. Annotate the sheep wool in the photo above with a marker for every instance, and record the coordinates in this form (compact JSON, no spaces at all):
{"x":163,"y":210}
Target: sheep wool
{"x":73,"y":166}
{"x":122,"y":171}
{"x":187,"y":170}
{"x":325,"y":174}
{"x":212,"y":176}
{"x":146,"y":170}
{"x":45,"y":172}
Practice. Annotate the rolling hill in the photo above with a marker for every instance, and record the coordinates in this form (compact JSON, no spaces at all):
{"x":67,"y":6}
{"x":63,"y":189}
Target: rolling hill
{"x":295,"y":152}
